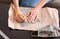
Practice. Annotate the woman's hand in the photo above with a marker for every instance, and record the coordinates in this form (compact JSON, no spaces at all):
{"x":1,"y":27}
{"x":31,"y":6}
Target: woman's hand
{"x":19,"y":17}
{"x":33,"y":15}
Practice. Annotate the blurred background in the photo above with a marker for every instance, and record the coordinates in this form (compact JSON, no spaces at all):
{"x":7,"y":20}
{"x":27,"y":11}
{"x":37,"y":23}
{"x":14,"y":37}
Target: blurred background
{"x":17,"y":34}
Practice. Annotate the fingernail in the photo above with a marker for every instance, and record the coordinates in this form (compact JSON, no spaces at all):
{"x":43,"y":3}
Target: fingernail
{"x":29,"y":21}
{"x":32,"y":21}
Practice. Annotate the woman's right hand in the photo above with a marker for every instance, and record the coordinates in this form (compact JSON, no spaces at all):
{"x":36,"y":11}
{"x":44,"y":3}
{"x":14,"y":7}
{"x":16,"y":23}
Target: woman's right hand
{"x":17,"y":14}
{"x":19,"y":17}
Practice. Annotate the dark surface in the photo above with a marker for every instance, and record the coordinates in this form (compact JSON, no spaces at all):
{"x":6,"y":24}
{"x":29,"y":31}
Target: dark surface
{"x":5,"y":1}
{"x":1,"y":37}
{"x":13,"y":34}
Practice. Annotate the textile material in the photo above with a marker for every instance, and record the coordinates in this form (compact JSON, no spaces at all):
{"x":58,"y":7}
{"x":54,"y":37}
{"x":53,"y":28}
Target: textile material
{"x":49,"y":31}
{"x":48,"y":16}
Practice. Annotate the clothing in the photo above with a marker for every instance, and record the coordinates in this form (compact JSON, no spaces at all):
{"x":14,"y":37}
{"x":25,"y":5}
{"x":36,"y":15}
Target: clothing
{"x":31,"y":3}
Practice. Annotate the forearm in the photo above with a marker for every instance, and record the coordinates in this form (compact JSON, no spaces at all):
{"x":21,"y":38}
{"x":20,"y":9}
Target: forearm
{"x":16,"y":3}
{"x":41,"y":4}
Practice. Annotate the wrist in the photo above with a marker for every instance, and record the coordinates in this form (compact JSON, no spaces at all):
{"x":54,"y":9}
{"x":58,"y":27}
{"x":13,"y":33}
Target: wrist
{"x":17,"y":7}
{"x":38,"y":8}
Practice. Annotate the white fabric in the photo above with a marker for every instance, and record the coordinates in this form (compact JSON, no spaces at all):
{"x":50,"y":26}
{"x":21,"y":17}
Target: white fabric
{"x":48,"y":16}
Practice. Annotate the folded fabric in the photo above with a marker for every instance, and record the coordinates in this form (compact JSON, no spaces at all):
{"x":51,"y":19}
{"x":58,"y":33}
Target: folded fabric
{"x":49,"y":31}
{"x":47,"y":16}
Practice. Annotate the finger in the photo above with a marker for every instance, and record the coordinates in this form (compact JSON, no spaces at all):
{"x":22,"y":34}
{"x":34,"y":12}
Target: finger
{"x":18,"y":19}
{"x":36,"y":18}
{"x":28,"y":14}
{"x":32,"y":18}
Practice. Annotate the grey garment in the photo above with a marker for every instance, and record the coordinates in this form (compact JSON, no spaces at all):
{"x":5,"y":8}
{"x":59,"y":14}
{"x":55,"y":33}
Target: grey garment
{"x":49,"y":31}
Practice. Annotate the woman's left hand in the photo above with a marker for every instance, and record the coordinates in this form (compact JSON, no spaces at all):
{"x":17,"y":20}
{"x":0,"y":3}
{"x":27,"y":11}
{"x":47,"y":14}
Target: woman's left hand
{"x":33,"y":15}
